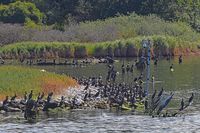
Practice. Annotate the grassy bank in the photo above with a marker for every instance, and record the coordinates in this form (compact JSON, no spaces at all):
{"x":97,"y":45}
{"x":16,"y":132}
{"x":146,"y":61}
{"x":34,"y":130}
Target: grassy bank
{"x":20,"y":79}
{"x":162,"y":45}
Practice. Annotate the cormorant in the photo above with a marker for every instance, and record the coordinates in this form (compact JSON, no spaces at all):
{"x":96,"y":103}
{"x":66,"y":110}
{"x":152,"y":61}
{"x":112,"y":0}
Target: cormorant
{"x":30,"y":95}
{"x":171,"y":68}
{"x":191,"y":99}
{"x":182,"y":105}
{"x":164,"y":104}
{"x":13,"y":98}
{"x":180,"y":59}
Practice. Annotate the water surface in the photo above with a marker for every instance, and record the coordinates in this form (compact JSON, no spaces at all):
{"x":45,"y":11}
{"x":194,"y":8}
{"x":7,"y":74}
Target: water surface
{"x":183,"y":81}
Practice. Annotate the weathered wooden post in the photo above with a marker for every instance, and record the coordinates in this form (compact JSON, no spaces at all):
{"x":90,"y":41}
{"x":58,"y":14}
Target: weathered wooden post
{"x":147,"y":44}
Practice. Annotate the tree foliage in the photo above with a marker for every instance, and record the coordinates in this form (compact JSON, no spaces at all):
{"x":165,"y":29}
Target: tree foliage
{"x":20,"y":12}
{"x":65,"y":12}
{"x":190,"y":12}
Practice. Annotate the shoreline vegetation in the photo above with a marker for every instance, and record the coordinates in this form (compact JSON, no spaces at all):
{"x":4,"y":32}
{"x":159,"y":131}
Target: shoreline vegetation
{"x":17,"y":80}
{"x":162,"y":46}
{"x":120,"y":36}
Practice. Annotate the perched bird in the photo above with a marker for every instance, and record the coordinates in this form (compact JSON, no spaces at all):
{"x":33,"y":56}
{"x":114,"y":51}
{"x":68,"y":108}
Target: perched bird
{"x":156,"y":61}
{"x":87,"y":86}
{"x":135,"y":79}
{"x":30,"y":95}
{"x":25,"y":96}
{"x":161,"y":92}
{"x":127,"y":67}
{"x":5,"y":101}
{"x":164,"y":104}
{"x":43,"y":70}
{"x":13,"y":98}
{"x":38,"y":98}
{"x":49,"y":97}
{"x":191,"y":99}
{"x":123,"y":69}
{"x":85,"y":97}
{"x":62,"y":101}
{"x":154,"y":94}
{"x":42,"y":95}
{"x":180,"y":60}
{"x":171,"y":68}
{"x":157,"y":102}
{"x":182,"y":105}
{"x":97,"y":94}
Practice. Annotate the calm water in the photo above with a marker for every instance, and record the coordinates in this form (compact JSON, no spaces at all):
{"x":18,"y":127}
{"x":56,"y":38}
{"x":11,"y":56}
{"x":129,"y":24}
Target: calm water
{"x":183,"y":81}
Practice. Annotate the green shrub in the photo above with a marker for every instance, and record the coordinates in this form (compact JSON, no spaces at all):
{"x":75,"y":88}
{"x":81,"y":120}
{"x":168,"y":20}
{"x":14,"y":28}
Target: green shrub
{"x":80,"y":51}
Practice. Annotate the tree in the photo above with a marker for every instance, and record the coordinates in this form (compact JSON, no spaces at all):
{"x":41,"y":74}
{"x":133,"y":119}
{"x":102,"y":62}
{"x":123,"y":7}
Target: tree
{"x":189,"y":11}
{"x":19,"y":12}
{"x":164,"y":8}
{"x":6,"y":1}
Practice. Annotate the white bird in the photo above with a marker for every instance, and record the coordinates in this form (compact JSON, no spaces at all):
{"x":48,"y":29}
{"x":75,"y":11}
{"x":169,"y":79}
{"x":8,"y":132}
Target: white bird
{"x":42,"y":70}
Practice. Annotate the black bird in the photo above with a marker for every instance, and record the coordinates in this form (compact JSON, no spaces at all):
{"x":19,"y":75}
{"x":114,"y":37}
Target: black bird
{"x":97,"y":94}
{"x":5,"y":101}
{"x":135,"y":79}
{"x":180,"y":60}
{"x":87,"y":86}
{"x":30,"y":109}
{"x":49,"y":97}
{"x":154,"y":94}
{"x":171,"y":68}
{"x":156,"y":103}
{"x":38,"y":98}
{"x":160,"y":93}
{"x":132,"y":67}
{"x":191,"y":99}
{"x":42,"y":96}
{"x":30,"y":95}
{"x":62,"y":101}
{"x":182,"y":105}
{"x":162,"y":106}
{"x":156,"y":61}
{"x":141,"y":76}
{"x":13,"y":98}
{"x":127,"y":68}
{"x":123,"y":69}
{"x":85,"y":97}
{"x":25,"y":96}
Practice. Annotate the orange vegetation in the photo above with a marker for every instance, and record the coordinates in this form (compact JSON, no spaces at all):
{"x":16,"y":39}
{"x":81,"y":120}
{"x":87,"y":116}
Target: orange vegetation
{"x":56,"y":85}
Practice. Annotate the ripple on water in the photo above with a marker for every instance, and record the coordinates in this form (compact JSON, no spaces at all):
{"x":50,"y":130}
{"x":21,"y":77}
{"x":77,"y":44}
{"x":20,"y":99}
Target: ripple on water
{"x":107,"y":122}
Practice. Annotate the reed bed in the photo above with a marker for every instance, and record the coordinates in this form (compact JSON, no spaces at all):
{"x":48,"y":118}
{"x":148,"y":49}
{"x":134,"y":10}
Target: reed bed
{"x":161,"y":45}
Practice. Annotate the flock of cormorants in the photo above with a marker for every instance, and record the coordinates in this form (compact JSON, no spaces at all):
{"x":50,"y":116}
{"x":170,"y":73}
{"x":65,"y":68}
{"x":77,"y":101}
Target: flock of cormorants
{"x":101,"y":95}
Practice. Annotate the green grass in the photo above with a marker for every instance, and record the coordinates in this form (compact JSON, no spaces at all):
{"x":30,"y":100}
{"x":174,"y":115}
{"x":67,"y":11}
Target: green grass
{"x":59,"y":49}
{"x":20,"y":79}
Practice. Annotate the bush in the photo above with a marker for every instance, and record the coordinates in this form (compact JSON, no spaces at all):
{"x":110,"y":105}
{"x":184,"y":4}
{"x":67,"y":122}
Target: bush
{"x":111,"y":29}
{"x":80,"y":52}
{"x":100,"y":52}
{"x":131,"y":51}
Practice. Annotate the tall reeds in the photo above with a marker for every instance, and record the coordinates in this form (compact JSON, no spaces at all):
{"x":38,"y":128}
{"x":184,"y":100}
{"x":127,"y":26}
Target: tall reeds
{"x":162,"y":45}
